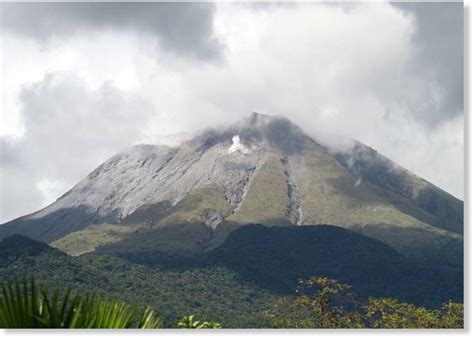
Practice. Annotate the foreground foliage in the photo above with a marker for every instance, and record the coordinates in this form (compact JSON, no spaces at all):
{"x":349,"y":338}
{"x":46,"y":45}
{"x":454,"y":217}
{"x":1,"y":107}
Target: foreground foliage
{"x":325,"y":303}
{"x":24,"y":305}
{"x":189,"y":322}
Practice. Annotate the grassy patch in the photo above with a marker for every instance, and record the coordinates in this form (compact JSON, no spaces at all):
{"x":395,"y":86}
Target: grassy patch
{"x":91,"y":237}
{"x":266,"y":200}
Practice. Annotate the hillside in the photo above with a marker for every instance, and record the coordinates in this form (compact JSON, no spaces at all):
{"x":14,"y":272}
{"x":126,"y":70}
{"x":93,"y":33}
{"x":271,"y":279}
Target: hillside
{"x":276,"y":257}
{"x":240,"y":278}
{"x":208,"y":292}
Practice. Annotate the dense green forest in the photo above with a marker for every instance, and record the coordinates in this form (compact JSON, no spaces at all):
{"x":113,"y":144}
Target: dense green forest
{"x":250,"y":280}
{"x":214,"y":293}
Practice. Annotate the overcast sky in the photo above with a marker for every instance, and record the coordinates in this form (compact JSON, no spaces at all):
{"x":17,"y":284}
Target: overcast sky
{"x":80,"y":82}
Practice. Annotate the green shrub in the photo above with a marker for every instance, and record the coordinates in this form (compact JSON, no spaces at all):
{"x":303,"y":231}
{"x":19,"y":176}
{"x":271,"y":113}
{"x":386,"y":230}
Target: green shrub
{"x":189,"y":322}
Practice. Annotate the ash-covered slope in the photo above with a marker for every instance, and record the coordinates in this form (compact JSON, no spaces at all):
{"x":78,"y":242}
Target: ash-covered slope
{"x":262,"y":170}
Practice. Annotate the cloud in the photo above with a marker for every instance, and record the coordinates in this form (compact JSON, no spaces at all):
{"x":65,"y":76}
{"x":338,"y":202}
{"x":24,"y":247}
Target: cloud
{"x":87,"y":96}
{"x":69,"y":130}
{"x":318,"y":66}
{"x":439,"y":39}
{"x":184,"y":28}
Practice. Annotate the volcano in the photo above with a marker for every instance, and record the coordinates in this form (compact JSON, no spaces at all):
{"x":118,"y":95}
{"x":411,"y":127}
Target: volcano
{"x":262,"y":170}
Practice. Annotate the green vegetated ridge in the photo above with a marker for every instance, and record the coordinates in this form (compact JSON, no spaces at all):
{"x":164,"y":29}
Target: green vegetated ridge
{"x":266,"y":199}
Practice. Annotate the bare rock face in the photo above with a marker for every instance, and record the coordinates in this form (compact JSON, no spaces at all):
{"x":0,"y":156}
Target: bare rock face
{"x":263,"y":170}
{"x":212,"y":218}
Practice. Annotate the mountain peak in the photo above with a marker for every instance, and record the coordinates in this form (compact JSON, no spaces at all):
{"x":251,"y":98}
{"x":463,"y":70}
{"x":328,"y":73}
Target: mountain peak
{"x":275,"y":131}
{"x":260,"y":119}
{"x":258,"y":131}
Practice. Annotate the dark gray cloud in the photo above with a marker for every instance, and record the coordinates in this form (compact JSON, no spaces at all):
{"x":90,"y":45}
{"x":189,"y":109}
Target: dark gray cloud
{"x":439,"y":37}
{"x":184,"y":28}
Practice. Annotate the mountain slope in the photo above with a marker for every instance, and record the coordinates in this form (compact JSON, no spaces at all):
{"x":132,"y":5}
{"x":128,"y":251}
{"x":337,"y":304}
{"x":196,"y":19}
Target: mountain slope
{"x":440,"y":208}
{"x":251,"y":268}
{"x":276,"y":257}
{"x":261,"y":170}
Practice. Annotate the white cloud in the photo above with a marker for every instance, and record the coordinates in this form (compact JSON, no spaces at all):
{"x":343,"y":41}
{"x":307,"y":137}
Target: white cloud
{"x":352,"y":70}
{"x":50,"y":189}
{"x":69,"y":130}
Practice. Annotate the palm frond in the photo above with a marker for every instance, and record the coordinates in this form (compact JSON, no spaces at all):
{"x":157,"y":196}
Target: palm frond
{"x":22,"y":305}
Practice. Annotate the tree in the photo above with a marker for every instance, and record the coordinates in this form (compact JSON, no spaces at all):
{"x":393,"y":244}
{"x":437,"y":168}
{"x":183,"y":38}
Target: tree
{"x":321,"y":302}
{"x":390,"y":313}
